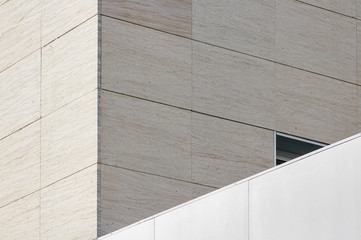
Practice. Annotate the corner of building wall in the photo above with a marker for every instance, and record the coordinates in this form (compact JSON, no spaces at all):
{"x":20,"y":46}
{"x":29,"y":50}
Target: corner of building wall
{"x":98,"y":191}
{"x":98,"y":121}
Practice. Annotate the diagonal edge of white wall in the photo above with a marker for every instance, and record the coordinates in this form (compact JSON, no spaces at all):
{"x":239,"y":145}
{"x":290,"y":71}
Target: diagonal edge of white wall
{"x":316,"y":196}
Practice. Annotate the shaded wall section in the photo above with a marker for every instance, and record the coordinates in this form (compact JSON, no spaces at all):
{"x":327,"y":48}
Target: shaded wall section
{"x":192,"y":92}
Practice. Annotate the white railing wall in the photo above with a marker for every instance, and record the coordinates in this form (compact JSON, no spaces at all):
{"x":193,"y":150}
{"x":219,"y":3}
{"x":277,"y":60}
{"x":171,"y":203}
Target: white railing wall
{"x":314,"y":197}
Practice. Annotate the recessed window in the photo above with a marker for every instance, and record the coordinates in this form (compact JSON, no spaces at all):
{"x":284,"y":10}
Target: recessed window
{"x":290,"y":147}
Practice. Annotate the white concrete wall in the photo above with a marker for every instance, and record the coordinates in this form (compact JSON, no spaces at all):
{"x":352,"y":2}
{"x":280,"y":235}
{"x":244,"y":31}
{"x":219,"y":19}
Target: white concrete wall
{"x":317,"y":196}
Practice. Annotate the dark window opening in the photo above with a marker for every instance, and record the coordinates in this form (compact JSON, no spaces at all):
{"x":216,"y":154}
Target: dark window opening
{"x":289,"y":147}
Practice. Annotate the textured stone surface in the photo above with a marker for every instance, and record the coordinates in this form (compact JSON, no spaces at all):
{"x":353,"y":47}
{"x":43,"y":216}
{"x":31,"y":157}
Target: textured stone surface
{"x":233,"y":85}
{"x":224,"y":152}
{"x":145,"y":136}
{"x":200,"y":190}
{"x":20,"y":219}
{"x":359,"y":51}
{"x":19,"y":30}
{"x":20,"y":94}
{"x":69,"y":139}
{"x":246,"y":26}
{"x":315,"y":107}
{"x":166,"y":15}
{"x":347,"y":7}
{"x":69,"y":207}
{"x":61,"y":16}
{"x":146,"y":63}
{"x":20,"y":164}
{"x":316,"y":40}
{"x":127,"y":196}
{"x":70,"y":66}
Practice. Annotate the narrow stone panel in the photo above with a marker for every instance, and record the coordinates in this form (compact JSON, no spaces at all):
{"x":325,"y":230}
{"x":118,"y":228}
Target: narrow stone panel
{"x":127,"y":196}
{"x":166,"y":15}
{"x":224,"y":152}
{"x":233,"y":85}
{"x":145,"y":136}
{"x":246,"y":26}
{"x":19,"y":30}
{"x":20,"y":164}
{"x":315,"y":107}
{"x":145,"y":63}
{"x":61,"y":16}
{"x":200,"y":190}
{"x":70,"y":67}
{"x":69,"y":207}
{"x":347,"y":7}
{"x":69,"y":139}
{"x":20,"y":94}
{"x":316,"y":40}
{"x":359,"y":51}
{"x":20,"y":219}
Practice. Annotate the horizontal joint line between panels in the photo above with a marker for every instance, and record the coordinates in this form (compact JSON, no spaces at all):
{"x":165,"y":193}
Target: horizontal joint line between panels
{"x":157,"y":175}
{"x":28,"y":194}
{"x":18,"y":130}
{"x":329,"y":10}
{"x":232,"y":50}
{"x":185,"y":109}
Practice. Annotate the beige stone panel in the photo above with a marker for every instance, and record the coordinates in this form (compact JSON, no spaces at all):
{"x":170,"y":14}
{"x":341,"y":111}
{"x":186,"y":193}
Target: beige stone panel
{"x":61,"y":16}
{"x":233,"y":85}
{"x":69,"y":139}
{"x":69,"y":207}
{"x":315,"y":107}
{"x":316,"y":40}
{"x":224,"y":152}
{"x":200,"y":190}
{"x":145,"y":136}
{"x":70,"y":66}
{"x":166,"y":15}
{"x":127,"y":196}
{"x":358,"y":9}
{"x":20,"y":219}
{"x":20,"y":94}
{"x":19,"y":30}
{"x":246,"y":26}
{"x":358,"y":60}
{"x":146,"y":63}
{"x":347,"y":7}
{"x":20,"y":164}
{"x":3,"y":1}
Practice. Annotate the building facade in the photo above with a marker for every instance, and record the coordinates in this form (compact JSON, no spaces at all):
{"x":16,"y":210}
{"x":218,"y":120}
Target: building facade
{"x":301,"y":199}
{"x":112,"y":111}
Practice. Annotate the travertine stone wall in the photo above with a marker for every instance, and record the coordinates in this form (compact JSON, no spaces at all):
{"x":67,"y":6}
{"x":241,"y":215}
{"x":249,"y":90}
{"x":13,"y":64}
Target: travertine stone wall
{"x":114,"y":110}
{"x":192,"y":91}
{"x":48,"y":119}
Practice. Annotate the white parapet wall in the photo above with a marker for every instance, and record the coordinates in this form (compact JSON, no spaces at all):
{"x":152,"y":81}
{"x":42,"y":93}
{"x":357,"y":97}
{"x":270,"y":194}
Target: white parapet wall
{"x":316,"y":196}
